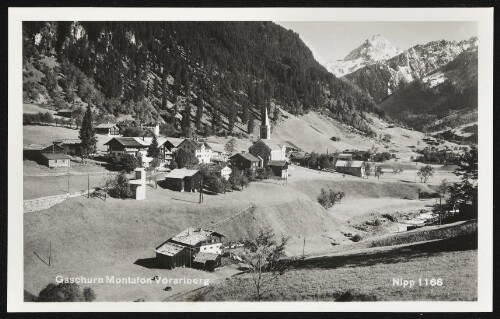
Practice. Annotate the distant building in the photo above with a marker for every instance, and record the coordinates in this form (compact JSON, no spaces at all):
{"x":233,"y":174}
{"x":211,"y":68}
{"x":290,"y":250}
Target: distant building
{"x":68,"y":113}
{"x":153,"y":127}
{"x":200,"y":150}
{"x":138,"y":146}
{"x":55,"y":159}
{"x":243,"y":161}
{"x":193,"y":247}
{"x":265,"y":127}
{"x":279,"y":168}
{"x":355,"y":168}
{"x":183,"y":180}
{"x":345,"y":156}
{"x":70,"y":144}
{"x":107,"y":129}
{"x":268,"y":150}
{"x":219,"y":154}
{"x":220,"y":170}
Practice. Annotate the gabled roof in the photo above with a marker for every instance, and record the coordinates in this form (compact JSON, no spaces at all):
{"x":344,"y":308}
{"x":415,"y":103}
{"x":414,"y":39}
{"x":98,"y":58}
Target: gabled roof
{"x":169,"y":249}
{"x":273,"y":145}
{"x":246,"y":156}
{"x":129,"y":141}
{"x":195,"y":144}
{"x":342,"y":163}
{"x":65,"y":110}
{"x":192,"y":236}
{"x":106,"y":125}
{"x":53,"y":148}
{"x":180,"y":173}
{"x":68,"y":141}
{"x":277,"y":163}
{"x":54,"y":156}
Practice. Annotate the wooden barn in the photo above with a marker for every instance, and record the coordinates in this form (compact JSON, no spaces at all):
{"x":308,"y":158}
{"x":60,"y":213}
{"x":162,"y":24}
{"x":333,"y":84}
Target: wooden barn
{"x":279,"y":168}
{"x":55,"y":159}
{"x":183,"y":180}
{"x":355,"y":168}
{"x":193,"y":247}
{"x":107,"y":129}
{"x":243,"y":161}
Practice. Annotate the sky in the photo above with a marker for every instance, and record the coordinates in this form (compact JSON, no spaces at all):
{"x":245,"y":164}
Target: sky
{"x":332,"y":40}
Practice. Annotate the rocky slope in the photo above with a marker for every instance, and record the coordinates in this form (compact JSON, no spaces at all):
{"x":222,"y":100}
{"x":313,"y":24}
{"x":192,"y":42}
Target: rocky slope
{"x":381,"y":79}
{"x":372,"y":50}
{"x":441,"y":100}
{"x":223,"y":73}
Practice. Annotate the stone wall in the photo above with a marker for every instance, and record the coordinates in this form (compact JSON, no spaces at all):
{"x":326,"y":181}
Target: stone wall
{"x":34,"y":205}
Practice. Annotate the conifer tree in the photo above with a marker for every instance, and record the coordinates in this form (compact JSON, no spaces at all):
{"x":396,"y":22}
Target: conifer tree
{"x":154,"y":149}
{"x":250,"y":124}
{"x":199,"y":112}
{"x":87,"y":135}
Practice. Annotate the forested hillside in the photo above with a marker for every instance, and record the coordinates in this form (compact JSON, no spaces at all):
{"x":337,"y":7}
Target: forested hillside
{"x":446,"y":98}
{"x":221,"y":74}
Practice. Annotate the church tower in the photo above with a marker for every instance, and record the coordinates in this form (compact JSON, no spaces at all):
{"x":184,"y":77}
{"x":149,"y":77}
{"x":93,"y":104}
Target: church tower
{"x":265,"y":128}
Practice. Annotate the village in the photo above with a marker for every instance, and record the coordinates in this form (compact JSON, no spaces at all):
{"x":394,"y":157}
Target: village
{"x":225,"y":161}
{"x":238,"y":179}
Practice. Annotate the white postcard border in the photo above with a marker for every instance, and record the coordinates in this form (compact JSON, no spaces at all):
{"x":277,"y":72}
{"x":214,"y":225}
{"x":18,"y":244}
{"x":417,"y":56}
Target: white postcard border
{"x":484,"y":18}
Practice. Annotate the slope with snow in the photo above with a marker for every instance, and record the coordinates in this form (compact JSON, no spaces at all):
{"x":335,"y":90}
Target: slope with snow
{"x":372,"y":50}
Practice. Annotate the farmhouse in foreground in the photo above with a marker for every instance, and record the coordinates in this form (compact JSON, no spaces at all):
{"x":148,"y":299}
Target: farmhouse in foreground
{"x":193,"y":247}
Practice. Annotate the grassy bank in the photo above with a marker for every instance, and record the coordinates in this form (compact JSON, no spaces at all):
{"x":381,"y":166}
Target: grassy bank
{"x":368,"y":276}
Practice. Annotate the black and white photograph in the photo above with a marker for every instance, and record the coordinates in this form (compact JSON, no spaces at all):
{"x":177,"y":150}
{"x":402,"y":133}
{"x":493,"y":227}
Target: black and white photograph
{"x":330,"y":160}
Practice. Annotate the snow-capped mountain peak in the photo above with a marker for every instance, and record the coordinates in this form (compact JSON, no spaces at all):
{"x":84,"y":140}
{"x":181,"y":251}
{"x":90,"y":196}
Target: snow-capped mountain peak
{"x":375,"y":49}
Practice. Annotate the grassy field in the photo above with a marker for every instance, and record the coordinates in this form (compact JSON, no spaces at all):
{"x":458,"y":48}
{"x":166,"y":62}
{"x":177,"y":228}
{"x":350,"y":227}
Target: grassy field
{"x":46,"y":134}
{"x":93,"y":237}
{"x":368,"y":276}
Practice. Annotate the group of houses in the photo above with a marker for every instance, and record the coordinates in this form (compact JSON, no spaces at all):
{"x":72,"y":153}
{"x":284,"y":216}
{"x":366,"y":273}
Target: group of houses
{"x":263,"y":153}
{"x":193,"y":247}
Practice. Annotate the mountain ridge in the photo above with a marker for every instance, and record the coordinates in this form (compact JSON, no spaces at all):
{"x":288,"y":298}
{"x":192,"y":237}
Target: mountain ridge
{"x":230,"y":70}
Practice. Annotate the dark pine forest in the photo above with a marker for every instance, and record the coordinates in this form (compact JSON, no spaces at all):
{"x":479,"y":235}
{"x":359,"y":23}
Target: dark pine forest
{"x":221,"y":73}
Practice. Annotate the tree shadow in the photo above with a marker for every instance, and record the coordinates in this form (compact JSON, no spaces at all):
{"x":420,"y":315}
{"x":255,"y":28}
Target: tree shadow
{"x":391,"y":256}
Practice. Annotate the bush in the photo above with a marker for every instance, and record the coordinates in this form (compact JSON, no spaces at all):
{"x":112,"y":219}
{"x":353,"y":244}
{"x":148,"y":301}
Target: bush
{"x":356,"y":238}
{"x":120,"y":187}
{"x":128,"y":162}
{"x":65,"y":292}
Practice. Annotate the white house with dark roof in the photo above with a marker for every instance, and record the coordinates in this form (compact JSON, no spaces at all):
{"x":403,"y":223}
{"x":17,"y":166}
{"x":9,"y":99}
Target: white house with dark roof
{"x":268,"y":150}
{"x":107,"y":129}
{"x":200,"y":150}
{"x":138,"y":146}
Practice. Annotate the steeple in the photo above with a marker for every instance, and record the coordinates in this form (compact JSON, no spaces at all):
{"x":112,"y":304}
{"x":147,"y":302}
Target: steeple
{"x":265,"y":128}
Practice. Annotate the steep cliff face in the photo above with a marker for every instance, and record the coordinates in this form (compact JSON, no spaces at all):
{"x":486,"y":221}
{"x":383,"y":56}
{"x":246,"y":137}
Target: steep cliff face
{"x":230,"y":71}
{"x":381,"y":79}
{"x":440,"y":100}
{"x":372,"y":50}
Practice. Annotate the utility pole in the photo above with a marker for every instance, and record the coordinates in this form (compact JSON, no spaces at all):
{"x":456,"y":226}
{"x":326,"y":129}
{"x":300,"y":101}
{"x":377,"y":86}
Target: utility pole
{"x":88,"y":185}
{"x":304,"y":247}
{"x":201,"y":192}
{"x":68,"y":179}
{"x":50,"y":251}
